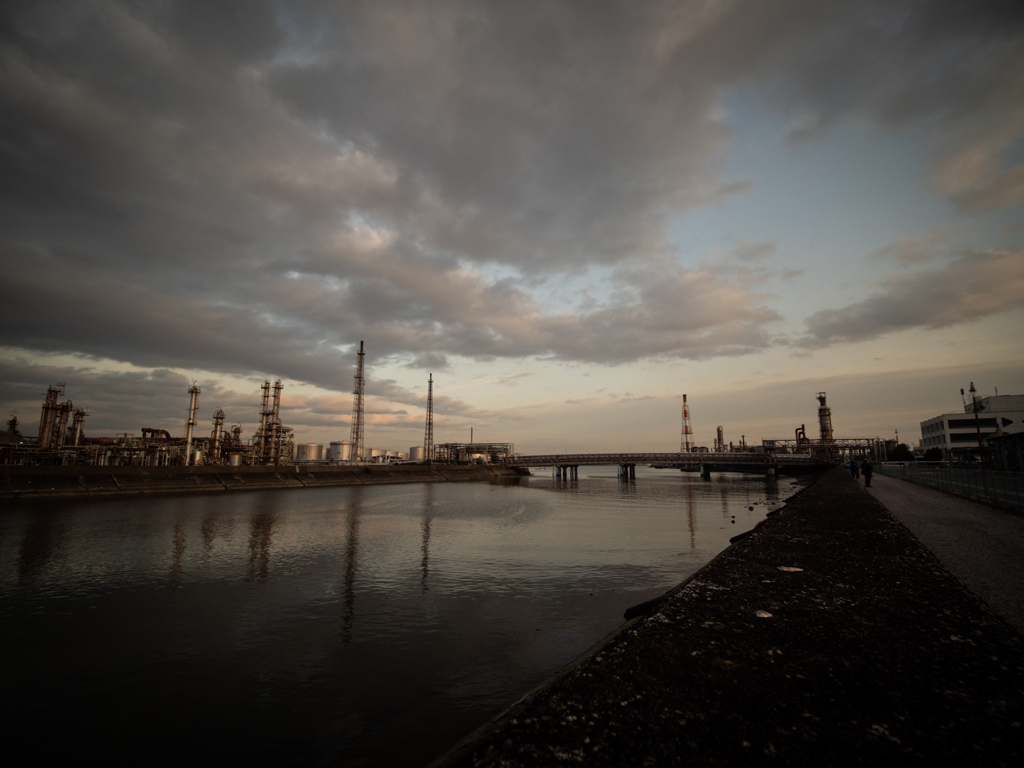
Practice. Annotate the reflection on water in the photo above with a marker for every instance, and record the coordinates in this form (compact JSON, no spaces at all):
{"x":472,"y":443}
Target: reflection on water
{"x":468,"y":596}
{"x":351,"y":553}
{"x":42,"y":539}
{"x":209,"y":531}
{"x":261,"y":531}
{"x":428,"y":504}
{"x":177,"y":550}
{"x":691,"y":515}
{"x":425,"y":562}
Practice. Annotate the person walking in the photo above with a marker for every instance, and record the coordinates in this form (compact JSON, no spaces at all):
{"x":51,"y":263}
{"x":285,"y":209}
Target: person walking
{"x":867,"y":469}
{"x":854,"y":470}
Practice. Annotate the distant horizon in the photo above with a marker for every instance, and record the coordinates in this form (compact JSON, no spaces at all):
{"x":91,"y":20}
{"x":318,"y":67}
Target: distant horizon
{"x":760,"y":429}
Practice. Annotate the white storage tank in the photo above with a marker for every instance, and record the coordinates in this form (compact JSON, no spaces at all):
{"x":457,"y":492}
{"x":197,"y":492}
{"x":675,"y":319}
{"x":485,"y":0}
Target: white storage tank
{"x":416,"y":453}
{"x":340,"y":450}
{"x":309,"y":452}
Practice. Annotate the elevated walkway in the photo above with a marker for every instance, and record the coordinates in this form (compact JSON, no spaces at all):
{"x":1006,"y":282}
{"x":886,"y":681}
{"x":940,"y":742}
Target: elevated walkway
{"x":982,"y":546}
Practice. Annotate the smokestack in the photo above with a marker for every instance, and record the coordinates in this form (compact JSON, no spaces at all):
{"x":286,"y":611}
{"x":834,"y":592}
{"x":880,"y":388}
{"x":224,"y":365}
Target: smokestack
{"x":193,"y":406}
{"x":261,"y":441}
{"x":275,"y":426}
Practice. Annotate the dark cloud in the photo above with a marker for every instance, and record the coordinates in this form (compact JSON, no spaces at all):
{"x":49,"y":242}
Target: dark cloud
{"x":948,"y":69}
{"x":974,"y":286}
{"x":429,"y":361}
{"x":122,"y":401}
{"x":249,"y":187}
{"x":126,"y":401}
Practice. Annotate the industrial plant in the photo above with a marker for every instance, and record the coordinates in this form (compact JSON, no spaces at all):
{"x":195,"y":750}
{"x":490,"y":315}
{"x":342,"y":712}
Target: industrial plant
{"x":61,"y":439}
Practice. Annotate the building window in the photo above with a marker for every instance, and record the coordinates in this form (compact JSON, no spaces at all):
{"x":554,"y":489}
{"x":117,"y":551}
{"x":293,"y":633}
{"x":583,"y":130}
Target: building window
{"x":969,"y":423}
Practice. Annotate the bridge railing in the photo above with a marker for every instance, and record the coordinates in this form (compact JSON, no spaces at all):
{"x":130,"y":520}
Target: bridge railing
{"x":690,"y":459}
{"x":1003,"y":489}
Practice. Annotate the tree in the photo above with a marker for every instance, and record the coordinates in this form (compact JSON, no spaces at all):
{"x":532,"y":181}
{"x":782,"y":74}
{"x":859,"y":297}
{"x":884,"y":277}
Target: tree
{"x":933,"y":454}
{"x":901,"y":453}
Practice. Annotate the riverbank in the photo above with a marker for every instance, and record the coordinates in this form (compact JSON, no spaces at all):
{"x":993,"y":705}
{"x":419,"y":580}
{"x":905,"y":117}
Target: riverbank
{"x":827,"y":635}
{"x":44,"y":482}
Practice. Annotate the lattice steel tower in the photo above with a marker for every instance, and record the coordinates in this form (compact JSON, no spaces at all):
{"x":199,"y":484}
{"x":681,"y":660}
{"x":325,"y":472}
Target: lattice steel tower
{"x":357,"y":411}
{"x":686,"y":444}
{"x":428,"y":434}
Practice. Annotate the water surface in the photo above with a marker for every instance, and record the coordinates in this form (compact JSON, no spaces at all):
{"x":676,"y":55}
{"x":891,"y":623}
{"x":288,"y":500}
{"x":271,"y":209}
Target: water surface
{"x":343,"y":626}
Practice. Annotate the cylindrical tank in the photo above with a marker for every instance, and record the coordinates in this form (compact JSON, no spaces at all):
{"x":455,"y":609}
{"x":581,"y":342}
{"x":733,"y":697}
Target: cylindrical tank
{"x":235,"y":460}
{"x":340,"y":450}
{"x":309,"y":452}
{"x":416,"y":453}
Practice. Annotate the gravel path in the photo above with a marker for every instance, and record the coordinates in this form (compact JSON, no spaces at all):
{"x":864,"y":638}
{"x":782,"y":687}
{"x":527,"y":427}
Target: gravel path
{"x":980,"y":545}
{"x":828,"y":635}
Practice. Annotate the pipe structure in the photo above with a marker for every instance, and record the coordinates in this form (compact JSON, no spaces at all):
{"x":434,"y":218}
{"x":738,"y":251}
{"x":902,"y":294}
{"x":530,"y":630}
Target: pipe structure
{"x":720,"y":440}
{"x":193,"y":406}
{"x":428,"y":433}
{"x":48,"y":417}
{"x":275,"y":425}
{"x":261,"y":437}
{"x":801,"y":435}
{"x":357,"y":409}
{"x":824,"y":418}
{"x":76,"y":425}
{"x":218,"y":427}
{"x":61,"y":431}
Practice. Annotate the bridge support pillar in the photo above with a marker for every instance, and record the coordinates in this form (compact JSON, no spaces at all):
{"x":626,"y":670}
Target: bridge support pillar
{"x":627,"y":471}
{"x":705,"y":472}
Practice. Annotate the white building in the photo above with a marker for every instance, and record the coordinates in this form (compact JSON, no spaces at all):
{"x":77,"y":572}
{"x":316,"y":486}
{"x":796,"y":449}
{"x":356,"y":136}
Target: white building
{"x":957,"y":433}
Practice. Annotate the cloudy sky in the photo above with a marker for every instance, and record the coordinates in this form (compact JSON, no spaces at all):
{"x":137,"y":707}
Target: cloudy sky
{"x":570,"y":213}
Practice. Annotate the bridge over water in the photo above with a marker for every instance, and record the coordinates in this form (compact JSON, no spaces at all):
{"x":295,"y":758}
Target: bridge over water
{"x":566,"y":464}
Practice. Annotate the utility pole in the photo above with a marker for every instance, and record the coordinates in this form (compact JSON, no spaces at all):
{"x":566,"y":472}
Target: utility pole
{"x":977,"y":424}
{"x":357,"y":410}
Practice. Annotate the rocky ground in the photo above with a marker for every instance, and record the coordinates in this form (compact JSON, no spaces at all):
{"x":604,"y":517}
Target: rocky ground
{"x":827,"y":636}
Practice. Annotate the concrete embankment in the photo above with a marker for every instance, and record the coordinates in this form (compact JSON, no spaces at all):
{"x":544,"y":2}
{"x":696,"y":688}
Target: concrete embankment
{"x":828,"y":635}
{"x":32,"y":482}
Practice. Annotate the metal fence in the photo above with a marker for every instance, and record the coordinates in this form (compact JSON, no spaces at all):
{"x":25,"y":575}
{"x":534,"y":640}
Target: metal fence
{"x":1004,"y":489}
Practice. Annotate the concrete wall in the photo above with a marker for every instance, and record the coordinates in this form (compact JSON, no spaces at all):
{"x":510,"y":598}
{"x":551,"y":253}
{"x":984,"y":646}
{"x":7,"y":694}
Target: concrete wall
{"x":27,"y":482}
